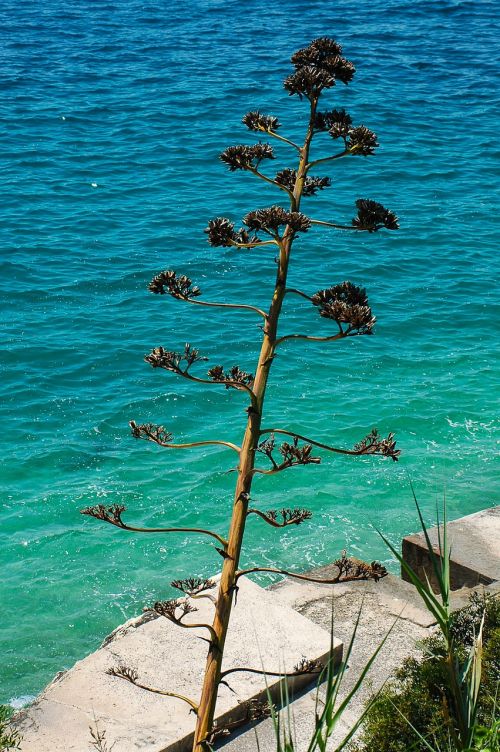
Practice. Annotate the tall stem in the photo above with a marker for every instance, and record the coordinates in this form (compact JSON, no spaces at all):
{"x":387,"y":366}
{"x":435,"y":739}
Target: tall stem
{"x":212,"y":677}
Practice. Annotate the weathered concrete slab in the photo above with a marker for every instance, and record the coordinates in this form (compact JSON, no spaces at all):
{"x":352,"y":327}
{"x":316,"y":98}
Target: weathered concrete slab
{"x":265,"y":633}
{"x":390,"y":604}
{"x":475,"y":550}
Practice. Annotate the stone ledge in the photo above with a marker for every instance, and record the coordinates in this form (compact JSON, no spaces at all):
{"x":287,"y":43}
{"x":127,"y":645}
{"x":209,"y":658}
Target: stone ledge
{"x":474,"y":555}
{"x":265,"y":632}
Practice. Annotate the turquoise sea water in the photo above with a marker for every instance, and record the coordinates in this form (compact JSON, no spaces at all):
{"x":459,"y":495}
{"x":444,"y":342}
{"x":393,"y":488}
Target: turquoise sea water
{"x":114,"y":114}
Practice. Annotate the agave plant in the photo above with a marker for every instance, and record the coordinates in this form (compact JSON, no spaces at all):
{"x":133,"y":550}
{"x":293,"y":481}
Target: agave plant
{"x":315,"y":69}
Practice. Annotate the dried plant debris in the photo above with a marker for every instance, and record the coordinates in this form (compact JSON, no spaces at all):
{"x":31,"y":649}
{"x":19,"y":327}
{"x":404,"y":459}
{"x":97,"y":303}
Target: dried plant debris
{"x":346,"y":303}
{"x":194,"y":585}
{"x":168,"y":282}
{"x":243,"y":157}
{"x":171,"y":360}
{"x":256,"y":121}
{"x":232,"y":378}
{"x":372,"y":216}
{"x":373,"y":443}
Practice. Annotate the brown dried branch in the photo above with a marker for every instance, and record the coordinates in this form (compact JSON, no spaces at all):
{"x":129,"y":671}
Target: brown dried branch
{"x":182,"y":289}
{"x":131,"y":675}
{"x":112,"y":514}
{"x":371,"y":444}
{"x":304,"y":666}
{"x":158,"y":435}
{"x":175,"y":610}
{"x":171,"y":361}
{"x":349,"y":570}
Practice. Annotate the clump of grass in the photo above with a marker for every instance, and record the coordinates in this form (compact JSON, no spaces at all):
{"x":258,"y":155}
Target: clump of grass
{"x":413,"y":711}
{"x":9,"y":737}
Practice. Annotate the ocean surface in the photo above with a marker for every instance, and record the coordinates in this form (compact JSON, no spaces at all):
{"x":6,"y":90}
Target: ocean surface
{"x":114,"y":114}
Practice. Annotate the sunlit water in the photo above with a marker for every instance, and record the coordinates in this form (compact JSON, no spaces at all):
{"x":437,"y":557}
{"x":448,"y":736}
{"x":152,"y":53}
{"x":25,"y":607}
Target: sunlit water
{"x":114,"y":114}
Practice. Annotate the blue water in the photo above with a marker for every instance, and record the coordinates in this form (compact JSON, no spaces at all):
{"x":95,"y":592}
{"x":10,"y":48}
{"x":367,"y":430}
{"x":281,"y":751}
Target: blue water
{"x":114,"y":114}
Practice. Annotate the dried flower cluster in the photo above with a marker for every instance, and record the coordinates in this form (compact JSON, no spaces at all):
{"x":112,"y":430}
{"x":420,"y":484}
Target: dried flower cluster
{"x":179,"y":287}
{"x":311,"y":186}
{"x":292,"y":454}
{"x":372,"y":216}
{"x":111,"y":514}
{"x":221,"y":233}
{"x":256,"y":121}
{"x":173,"y":610}
{"x":231,"y":378}
{"x":171,"y":360}
{"x":123,"y":672}
{"x":244,"y":157}
{"x":373,"y":443}
{"x":193,"y":585}
{"x":336,"y":122}
{"x":285,"y":517}
{"x":361,"y":141}
{"x":318,"y":66}
{"x":346,"y":303}
{"x":307,"y":666}
{"x":271,"y":219}
{"x":150,"y":432}
{"x":350,"y":568}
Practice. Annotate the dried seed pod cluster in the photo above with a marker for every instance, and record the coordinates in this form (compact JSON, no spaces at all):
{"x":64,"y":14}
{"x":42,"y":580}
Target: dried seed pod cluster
{"x":372,"y":216}
{"x":287,"y":179}
{"x":174,"y":610}
{"x":221,"y":233}
{"x":193,"y":585}
{"x":231,"y":378}
{"x":256,"y":121}
{"x":171,"y":360}
{"x":178,"y":287}
{"x":318,"y":66}
{"x":111,"y":514}
{"x":346,"y":303}
{"x":373,"y":443}
{"x":243,"y":157}
{"x":150,"y":432}
{"x":271,"y":219}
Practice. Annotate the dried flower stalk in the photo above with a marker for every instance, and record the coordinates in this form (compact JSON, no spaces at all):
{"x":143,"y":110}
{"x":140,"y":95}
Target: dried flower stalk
{"x":316,"y":68}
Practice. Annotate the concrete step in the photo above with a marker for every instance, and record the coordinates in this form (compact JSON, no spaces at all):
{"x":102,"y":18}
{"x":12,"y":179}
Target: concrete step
{"x":265,"y":633}
{"x":474,"y":550}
